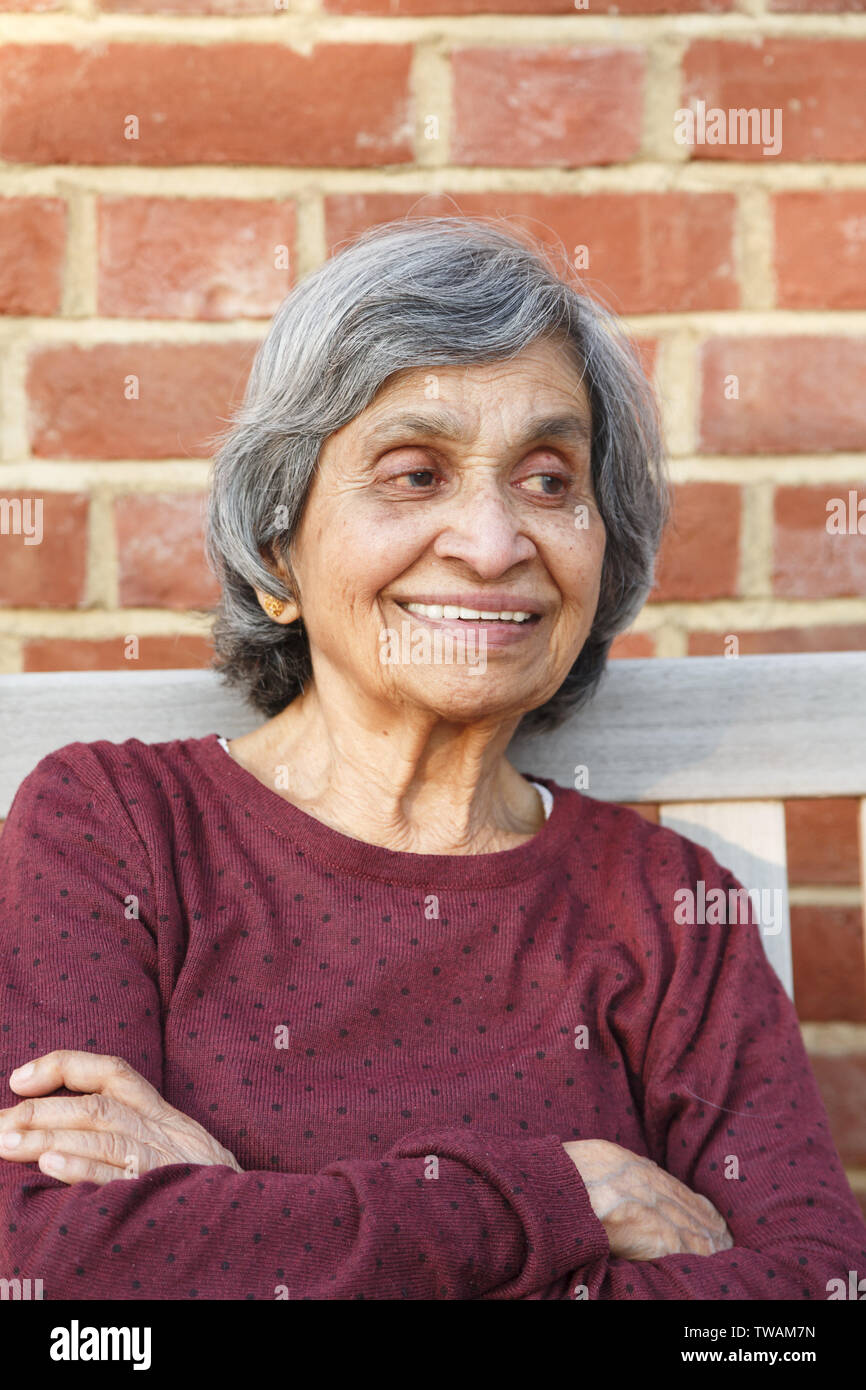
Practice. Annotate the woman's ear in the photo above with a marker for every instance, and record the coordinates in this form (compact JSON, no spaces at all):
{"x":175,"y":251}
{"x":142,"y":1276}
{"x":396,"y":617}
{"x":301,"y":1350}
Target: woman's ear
{"x":283,"y":611}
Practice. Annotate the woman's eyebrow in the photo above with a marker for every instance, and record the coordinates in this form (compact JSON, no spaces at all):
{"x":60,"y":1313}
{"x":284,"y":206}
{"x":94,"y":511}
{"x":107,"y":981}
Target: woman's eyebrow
{"x":437,"y":423}
{"x":571,"y":428}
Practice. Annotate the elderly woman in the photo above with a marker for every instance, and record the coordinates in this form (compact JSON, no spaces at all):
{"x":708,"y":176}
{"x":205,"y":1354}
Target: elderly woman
{"x":347,"y":1007}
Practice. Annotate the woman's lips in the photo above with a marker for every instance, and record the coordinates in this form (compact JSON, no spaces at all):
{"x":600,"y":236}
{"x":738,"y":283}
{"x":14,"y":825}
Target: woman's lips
{"x":494,"y":632}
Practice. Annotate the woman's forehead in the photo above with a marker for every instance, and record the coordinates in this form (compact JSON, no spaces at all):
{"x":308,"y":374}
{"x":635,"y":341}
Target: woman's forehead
{"x":545,"y":382}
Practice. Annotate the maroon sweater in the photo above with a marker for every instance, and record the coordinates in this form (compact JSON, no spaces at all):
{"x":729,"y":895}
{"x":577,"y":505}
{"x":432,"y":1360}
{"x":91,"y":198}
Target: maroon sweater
{"x":405,"y":1141}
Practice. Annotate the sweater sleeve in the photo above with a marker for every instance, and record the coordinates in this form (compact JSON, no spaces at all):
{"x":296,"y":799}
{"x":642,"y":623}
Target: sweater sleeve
{"x":491,"y":1217}
{"x":732,"y":1109}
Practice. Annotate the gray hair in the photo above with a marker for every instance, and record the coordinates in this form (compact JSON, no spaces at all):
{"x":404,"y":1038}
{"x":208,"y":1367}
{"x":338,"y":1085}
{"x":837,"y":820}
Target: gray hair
{"x":425,"y":292}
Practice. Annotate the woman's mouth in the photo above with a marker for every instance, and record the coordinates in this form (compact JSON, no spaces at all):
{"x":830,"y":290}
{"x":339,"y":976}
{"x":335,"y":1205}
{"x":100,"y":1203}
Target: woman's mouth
{"x":449,"y":613}
{"x":487,"y":629}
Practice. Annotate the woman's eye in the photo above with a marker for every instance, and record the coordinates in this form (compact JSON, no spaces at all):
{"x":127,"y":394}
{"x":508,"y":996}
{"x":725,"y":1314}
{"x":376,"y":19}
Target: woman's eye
{"x":416,"y":476}
{"x":545,"y":478}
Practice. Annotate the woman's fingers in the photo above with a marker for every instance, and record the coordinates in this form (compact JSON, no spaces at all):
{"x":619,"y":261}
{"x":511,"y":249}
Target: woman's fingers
{"x":689,"y":1210}
{"x":121,"y":1120}
{"x":30,"y":1145}
{"x":699,"y":1226}
{"x":87,"y":1071}
{"x":646,"y":1212}
{"x":72,"y":1168}
{"x":66,"y":1112}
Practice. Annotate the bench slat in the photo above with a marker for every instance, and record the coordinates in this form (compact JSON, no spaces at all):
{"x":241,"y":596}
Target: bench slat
{"x":716,"y":729}
{"x":747,"y":837}
{"x":691,"y":729}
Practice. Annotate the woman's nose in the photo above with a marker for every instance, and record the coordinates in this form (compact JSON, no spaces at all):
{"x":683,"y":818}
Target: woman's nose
{"x":486,"y":531}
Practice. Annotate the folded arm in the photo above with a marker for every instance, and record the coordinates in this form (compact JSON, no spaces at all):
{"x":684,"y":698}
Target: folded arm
{"x":493,"y":1217}
{"x":731,"y":1109}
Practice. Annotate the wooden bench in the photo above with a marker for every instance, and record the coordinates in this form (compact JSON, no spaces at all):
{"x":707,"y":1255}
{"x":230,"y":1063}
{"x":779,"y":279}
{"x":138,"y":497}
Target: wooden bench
{"x":720,"y":743}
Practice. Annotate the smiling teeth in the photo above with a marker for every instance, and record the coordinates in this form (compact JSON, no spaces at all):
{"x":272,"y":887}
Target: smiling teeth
{"x":450,"y":611}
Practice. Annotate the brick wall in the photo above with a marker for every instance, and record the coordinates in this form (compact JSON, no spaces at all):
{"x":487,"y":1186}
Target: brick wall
{"x":170,"y":170}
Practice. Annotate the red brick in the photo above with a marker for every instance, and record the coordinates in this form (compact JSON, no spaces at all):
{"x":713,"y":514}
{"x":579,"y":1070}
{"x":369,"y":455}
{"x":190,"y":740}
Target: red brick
{"x":796,"y":395}
{"x":822,"y":840}
{"x":647,"y":351}
{"x":198,"y":258}
{"x":816,"y":83}
{"x":699,"y":556}
{"x":32,"y":250}
{"x":808,"y":562}
{"x":539,"y":7}
{"x":821,"y":250}
{"x":829,"y":968}
{"x":632,"y":644}
{"x":219,"y":103}
{"x":537,"y":106}
{"x":648,"y":252}
{"x":842,"y":1081}
{"x":78,"y":408}
{"x":155,"y":653}
{"x":51,"y":574}
{"x":821,"y":638}
{"x":161,"y":557}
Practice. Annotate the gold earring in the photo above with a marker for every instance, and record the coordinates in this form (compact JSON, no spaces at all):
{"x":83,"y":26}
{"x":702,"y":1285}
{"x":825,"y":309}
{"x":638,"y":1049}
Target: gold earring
{"x":273,"y":606}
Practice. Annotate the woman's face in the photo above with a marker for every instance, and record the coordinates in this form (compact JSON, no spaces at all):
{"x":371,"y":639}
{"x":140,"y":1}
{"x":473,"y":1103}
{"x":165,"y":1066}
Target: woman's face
{"x":463,"y":486}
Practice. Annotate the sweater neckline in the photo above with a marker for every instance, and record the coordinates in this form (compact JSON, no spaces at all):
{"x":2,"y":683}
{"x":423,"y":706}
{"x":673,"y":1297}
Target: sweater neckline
{"x":545,"y":792}
{"x":322,"y":844}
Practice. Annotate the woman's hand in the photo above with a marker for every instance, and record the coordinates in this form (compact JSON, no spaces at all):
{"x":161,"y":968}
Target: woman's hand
{"x":121,"y":1129}
{"x":646,"y":1213}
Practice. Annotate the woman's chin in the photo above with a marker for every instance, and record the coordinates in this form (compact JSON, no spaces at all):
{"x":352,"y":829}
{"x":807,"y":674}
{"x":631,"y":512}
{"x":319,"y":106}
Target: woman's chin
{"x":468,"y":698}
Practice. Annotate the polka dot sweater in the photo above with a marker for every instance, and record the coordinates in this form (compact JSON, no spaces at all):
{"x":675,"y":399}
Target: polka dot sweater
{"x":394,"y":1046}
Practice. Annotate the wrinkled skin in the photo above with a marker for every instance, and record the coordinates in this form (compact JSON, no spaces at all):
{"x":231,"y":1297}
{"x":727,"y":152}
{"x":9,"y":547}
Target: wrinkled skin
{"x":121,"y":1129}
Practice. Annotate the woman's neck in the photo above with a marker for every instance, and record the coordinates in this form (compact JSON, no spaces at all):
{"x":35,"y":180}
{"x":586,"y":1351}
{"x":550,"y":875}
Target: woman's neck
{"x":415,"y":785}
